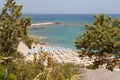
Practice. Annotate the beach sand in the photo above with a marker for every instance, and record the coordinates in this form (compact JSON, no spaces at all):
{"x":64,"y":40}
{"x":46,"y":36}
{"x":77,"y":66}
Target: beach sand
{"x":22,"y":48}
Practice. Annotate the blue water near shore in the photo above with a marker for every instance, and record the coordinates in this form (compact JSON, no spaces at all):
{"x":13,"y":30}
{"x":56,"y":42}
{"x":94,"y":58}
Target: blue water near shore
{"x":61,"y":35}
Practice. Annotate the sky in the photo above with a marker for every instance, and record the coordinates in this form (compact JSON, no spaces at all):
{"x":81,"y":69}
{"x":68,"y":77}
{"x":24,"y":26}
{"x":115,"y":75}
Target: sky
{"x":68,"y":6}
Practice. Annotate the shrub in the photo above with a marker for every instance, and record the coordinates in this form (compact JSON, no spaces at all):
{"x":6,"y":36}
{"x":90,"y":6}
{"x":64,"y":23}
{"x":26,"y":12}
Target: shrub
{"x":2,"y":71}
{"x":11,"y":77}
{"x":61,"y":72}
{"x":28,"y":41}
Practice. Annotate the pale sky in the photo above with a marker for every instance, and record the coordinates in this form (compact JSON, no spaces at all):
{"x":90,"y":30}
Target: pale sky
{"x":68,"y":6}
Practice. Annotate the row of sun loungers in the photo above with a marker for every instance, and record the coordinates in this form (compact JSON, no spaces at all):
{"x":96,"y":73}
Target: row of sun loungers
{"x":60,"y":55}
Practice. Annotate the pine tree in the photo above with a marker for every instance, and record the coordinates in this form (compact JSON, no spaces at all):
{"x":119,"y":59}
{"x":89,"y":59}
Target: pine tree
{"x":13,"y":28}
{"x":102,"y":39}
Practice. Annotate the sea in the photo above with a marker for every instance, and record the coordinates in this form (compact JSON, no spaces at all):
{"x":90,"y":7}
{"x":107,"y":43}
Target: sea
{"x":63,"y":34}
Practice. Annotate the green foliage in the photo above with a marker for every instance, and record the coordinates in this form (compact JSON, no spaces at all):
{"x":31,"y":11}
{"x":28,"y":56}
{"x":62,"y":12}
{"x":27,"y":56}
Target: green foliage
{"x":11,"y":77}
{"x":28,"y":41}
{"x":25,"y":70}
{"x":102,"y":38}
{"x":29,"y":70}
{"x":61,"y":72}
{"x":2,"y":71}
{"x":13,"y":27}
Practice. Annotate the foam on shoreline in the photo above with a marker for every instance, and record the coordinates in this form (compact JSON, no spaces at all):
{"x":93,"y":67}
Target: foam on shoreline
{"x":55,"y":23}
{"x":45,"y":23}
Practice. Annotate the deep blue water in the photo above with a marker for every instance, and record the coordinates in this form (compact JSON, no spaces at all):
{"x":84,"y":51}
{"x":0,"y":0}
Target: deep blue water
{"x":62,"y":35}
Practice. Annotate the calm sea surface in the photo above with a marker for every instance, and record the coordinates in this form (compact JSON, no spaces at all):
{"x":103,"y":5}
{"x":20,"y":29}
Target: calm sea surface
{"x":61,"y":35}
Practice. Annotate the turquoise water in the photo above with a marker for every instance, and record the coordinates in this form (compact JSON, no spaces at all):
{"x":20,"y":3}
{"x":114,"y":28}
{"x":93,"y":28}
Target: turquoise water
{"x":62,"y":35}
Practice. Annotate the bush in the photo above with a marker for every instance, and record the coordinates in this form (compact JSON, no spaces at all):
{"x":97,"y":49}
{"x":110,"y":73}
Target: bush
{"x":28,"y":41}
{"x":57,"y":71}
{"x":2,"y":71}
{"x":62,"y":72}
{"x":11,"y":77}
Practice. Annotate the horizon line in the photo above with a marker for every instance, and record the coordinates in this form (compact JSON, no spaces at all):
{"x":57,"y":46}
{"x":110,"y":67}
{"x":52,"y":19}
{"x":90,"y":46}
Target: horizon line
{"x":71,"y":13}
